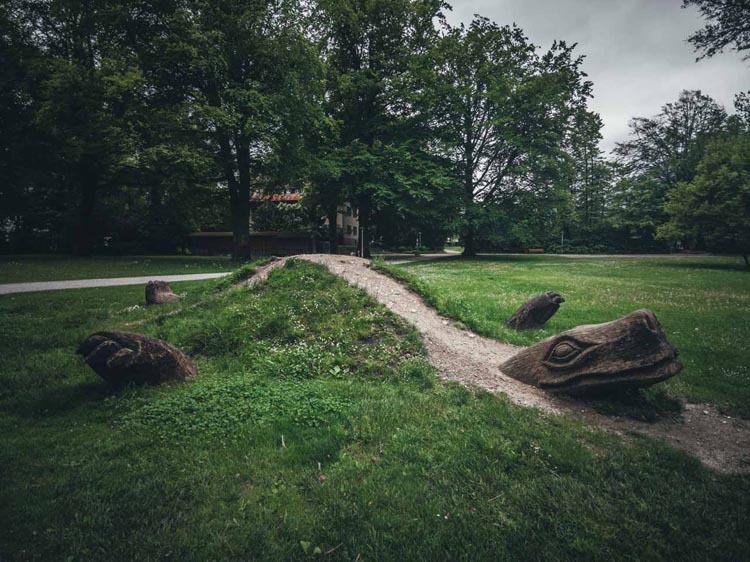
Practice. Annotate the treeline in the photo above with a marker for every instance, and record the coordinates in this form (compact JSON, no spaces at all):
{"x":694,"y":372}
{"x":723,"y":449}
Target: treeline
{"x":653,"y":195}
{"x":128,"y":124}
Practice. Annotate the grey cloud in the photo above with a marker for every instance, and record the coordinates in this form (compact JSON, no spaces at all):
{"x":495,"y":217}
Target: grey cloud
{"x":636,"y":51}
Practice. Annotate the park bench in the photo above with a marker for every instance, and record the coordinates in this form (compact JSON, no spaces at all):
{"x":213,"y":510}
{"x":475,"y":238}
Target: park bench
{"x":535,"y":250}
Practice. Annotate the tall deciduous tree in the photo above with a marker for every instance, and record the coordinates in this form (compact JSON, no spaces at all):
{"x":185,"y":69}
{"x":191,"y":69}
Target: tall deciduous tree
{"x":663,"y":151}
{"x":25,"y":175}
{"x":88,"y":80}
{"x":100,"y":149}
{"x":251,"y":66}
{"x":370,"y":46}
{"x":502,"y":114}
{"x":670,"y":144}
{"x":591,"y":173}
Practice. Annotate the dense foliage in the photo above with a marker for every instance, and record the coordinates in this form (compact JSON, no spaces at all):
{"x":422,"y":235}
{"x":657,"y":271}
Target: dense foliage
{"x":714,"y":209}
{"x":127,"y":125}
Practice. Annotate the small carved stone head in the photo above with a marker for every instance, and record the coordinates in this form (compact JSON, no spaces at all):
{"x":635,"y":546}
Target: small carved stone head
{"x":159,"y":292}
{"x":535,"y":312}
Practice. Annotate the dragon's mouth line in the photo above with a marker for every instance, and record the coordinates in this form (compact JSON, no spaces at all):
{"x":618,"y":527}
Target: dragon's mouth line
{"x":621,"y":378}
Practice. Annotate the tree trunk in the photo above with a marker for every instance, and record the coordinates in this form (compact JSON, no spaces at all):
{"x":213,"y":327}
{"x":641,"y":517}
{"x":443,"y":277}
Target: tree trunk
{"x":364,"y":226}
{"x":155,"y":228}
{"x":333,"y":232}
{"x":470,"y":249}
{"x":468,"y":233}
{"x":241,"y":214}
{"x":84,"y":244}
{"x":228,"y":167}
{"x":240,"y":235}
{"x":747,"y":261}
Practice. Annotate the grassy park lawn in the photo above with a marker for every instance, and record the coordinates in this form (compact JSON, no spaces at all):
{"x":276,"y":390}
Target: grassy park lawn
{"x":703,"y":304}
{"x":19,"y":269}
{"x":316,"y":430}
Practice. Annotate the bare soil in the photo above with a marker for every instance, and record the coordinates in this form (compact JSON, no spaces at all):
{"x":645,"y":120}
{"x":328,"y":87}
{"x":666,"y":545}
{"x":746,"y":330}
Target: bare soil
{"x":720,"y":442}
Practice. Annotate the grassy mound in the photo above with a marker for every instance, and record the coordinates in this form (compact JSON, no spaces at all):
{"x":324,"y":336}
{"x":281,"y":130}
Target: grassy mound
{"x":315,"y":430}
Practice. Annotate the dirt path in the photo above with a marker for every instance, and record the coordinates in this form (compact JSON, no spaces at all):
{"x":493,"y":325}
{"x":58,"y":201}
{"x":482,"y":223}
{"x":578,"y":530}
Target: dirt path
{"x":720,"y":442}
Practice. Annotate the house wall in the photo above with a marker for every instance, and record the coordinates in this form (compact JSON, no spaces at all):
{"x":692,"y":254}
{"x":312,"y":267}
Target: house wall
{"x":347,"y":223}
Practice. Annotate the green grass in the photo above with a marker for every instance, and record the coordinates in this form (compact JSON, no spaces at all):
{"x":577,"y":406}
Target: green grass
{"x":702,"y":303}
{"x":381,"y":461}
{"x":19,"y":269}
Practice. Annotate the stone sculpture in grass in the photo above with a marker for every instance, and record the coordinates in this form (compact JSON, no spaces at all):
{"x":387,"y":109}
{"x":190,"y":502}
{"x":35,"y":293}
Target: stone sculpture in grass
{"x":535,"y":312}
{"x":159,"y":292}
{"x":125,"y":357}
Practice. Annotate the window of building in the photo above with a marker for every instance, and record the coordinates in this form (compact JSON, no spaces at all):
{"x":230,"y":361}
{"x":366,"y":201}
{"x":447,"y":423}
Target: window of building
{"x":348,"y":229}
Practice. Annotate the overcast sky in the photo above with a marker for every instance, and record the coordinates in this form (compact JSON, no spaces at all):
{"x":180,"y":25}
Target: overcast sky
{"x":636,"y":53}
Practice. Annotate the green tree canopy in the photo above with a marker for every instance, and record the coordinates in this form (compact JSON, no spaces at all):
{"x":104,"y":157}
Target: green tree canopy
{"x":670,"y":144}
{"x":662,"y":151}
{"x":252,"y":84}
{"x":373,"y":50}
{"x":503,"y":115}
{"x":714,"y":208}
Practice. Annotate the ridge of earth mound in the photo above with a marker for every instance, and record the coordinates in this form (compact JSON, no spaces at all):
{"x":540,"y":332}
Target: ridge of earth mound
{"x":719,"y":442}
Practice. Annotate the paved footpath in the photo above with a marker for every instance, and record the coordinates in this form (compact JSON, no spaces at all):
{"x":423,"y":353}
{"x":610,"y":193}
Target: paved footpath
{"x":423,"y":257}
{"x":8,"y":288}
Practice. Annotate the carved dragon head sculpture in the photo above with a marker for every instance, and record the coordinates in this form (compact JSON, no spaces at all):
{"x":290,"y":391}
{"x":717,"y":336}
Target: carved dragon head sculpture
{"x":631,"y":351}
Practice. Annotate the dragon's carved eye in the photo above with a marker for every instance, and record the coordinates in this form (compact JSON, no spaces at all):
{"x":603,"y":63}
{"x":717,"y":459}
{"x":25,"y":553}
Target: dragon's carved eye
{"x":566,"y":354}
{"x":564,"y":351}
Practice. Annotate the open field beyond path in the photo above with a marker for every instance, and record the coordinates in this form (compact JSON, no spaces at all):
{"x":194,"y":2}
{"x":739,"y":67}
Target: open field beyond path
{"x":703,"y":304}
